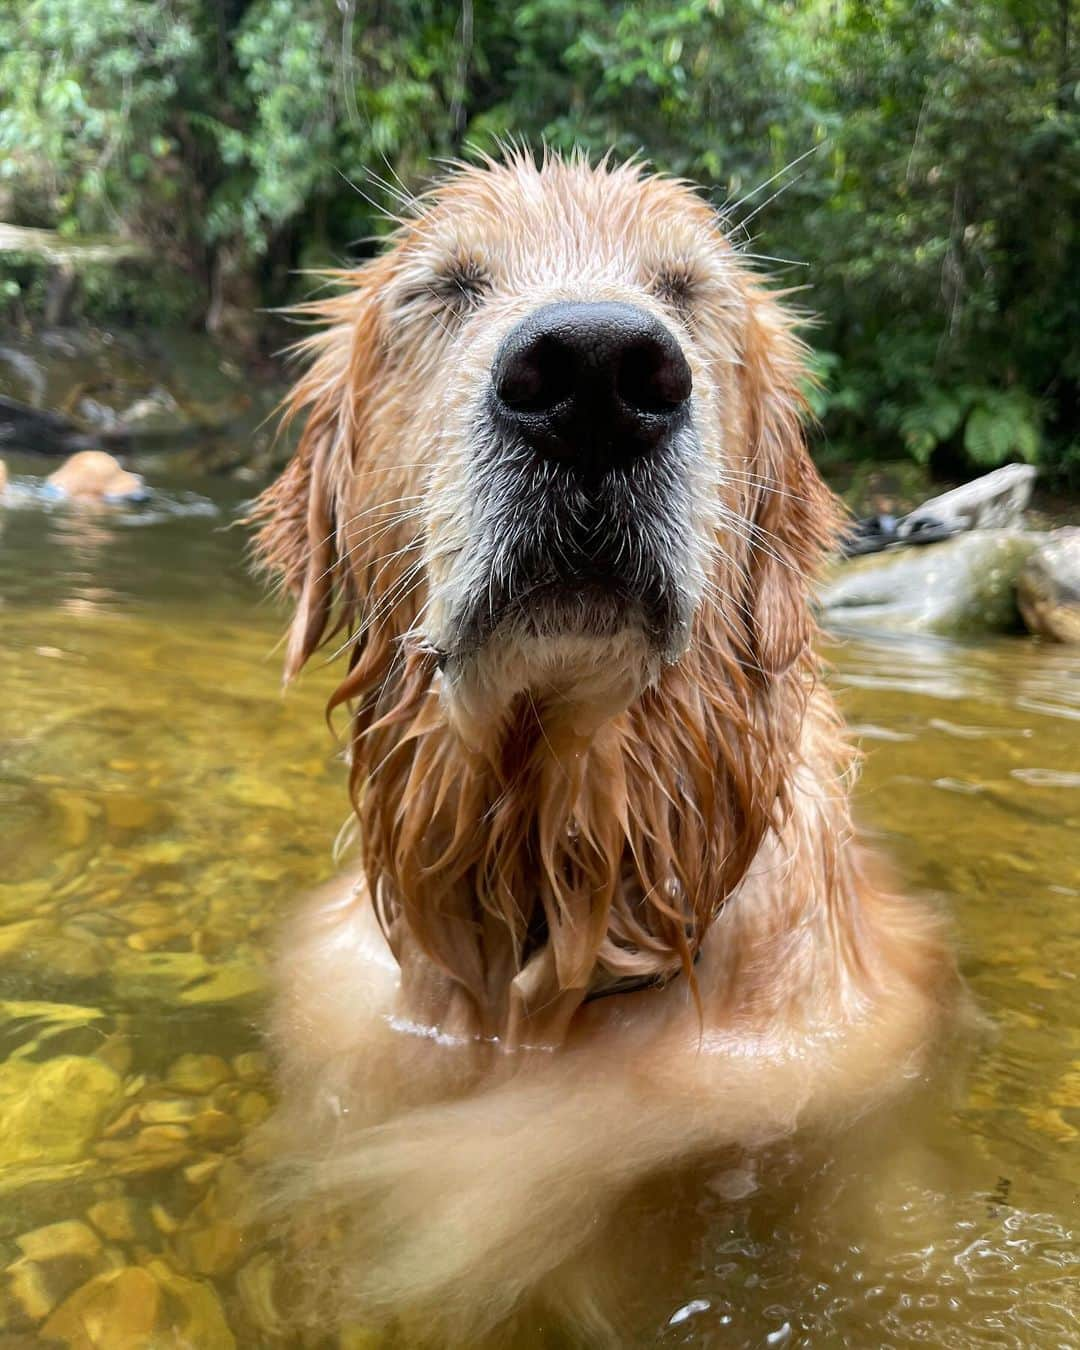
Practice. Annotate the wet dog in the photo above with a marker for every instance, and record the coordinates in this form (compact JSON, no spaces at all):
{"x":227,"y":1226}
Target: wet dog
{"x":552,"y":498}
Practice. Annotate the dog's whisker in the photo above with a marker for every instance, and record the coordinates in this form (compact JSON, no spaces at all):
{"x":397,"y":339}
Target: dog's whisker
{"x":729,"y":209}
{"x":368,"y":537}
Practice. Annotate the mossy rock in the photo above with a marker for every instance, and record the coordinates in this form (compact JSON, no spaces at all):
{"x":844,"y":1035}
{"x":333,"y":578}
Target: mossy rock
{"x":961,"y":587}
{"x":1048,"y":588}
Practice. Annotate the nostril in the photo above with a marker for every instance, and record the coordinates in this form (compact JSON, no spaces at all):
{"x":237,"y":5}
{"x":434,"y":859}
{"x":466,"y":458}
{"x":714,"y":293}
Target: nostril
{"x":654,"y":377}
{"x":536,"y":378}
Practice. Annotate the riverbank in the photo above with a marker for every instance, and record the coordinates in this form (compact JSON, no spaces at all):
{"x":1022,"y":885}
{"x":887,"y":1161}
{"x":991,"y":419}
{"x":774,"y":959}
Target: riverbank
{"x":172,"y":395}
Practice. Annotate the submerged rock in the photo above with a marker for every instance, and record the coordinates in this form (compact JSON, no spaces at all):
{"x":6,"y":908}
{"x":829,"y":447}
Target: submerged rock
{"x":113,"y":1311}
{"x":53,"y":954}
{"x":184,"y":977}
{"x":252,"y":1066}
{"x":32,"y":1291}
{"x":115,"y":1219}
{"x":962,"y":586}
{"x":55,"y":1260}
{"x":69,"y":1237}
{"x":1048,"y":588}
{"x":229,"y":982}
{"x":197,"y":1073}
{"x":198,"y":1318}
{"x":257,"y":1285}
{"x":50,"y":1112}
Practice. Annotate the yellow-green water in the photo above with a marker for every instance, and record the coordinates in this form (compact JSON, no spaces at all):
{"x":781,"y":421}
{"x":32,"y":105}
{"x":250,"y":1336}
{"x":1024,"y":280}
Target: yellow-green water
{"x":162,"y":805}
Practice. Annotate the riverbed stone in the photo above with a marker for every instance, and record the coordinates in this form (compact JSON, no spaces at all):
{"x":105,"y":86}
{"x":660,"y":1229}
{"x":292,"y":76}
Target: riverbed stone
{"x":216,"y":1127}
{"x":253,"y":1066}
{"x":196,"y":1315}
{"x":31,"y":1293}
{"x":169,"y":1110}
{"x":155,"y":1148}
{"x":252,"y":1109}
{"x":15,"y":938}
{"x":257,"y":1285}
{"x":117,"y":1310}
{"x":158,"y":976}
{"x":70,"y":954}
{"x":211,"y":1250}
{"x":163,"y":1219}
{"x":69,"y":1237}
{"x":197,"y":1074}
{"x":1048,"y":588}
{"x":228,"y":982}
{"x":155,"y":1138}
{"x":184,"y":977}
{"x":117,"y":1051}
{"x":199,"y":1173}
{"x":114,"y":1218}
{"x":962,"y":586}
{"x":55,"y":1260}
{"x":50,"y":1112}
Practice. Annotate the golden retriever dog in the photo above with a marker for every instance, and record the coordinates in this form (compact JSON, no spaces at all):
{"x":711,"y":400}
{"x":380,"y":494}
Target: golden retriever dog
{"x":95,"y":475}
{"x":552,"y":498}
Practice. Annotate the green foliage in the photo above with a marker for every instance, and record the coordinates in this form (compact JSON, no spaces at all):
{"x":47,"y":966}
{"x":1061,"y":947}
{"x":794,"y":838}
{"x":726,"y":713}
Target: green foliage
{"x":998,"y":425}
{"x":85,"y":95}
{"x":918,"y":160}
{"x":1002,"y":425}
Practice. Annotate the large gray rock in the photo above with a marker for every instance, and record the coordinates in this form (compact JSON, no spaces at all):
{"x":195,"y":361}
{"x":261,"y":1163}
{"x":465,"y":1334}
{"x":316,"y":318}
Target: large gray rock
{"x":1048,"y":587}
{"x":961,"y":586}
{"x":995,"y":501}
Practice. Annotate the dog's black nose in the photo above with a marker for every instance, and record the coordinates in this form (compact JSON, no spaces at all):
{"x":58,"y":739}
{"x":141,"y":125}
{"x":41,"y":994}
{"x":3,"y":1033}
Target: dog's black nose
{"x":595,"y":385}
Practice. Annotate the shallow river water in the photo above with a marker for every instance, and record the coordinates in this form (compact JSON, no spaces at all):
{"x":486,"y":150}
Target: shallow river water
{"x":161,"y":806}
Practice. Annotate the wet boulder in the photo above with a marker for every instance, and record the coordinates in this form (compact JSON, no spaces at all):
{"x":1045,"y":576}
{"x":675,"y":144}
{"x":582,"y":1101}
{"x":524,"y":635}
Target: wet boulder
{"x":1048,"y":587}
{"x":49,"y":433}
{"x":964,"y":585}
{"x":997,"y":500}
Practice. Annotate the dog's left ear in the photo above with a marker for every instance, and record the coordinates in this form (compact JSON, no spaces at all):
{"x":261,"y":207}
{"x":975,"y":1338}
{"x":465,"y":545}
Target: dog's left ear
{"x":793,"y":518}
{"x":297,"y":517}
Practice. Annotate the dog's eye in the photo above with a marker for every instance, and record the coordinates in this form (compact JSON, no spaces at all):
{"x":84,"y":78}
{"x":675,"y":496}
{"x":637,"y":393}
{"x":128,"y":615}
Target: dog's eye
{"x":464,"y":283}
{"x":675,"y":286}
{"x":455,"y":289}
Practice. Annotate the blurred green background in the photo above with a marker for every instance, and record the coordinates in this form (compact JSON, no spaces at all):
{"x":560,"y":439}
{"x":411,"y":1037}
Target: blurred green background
{"x":916,"y":165}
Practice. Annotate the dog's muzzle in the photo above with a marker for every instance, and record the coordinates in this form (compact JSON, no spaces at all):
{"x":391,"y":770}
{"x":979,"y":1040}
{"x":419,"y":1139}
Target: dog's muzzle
{"x":580,"y":490}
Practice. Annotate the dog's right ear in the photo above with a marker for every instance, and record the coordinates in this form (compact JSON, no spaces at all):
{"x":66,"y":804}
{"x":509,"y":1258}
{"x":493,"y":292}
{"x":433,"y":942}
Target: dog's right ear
{"x":297,"y":517}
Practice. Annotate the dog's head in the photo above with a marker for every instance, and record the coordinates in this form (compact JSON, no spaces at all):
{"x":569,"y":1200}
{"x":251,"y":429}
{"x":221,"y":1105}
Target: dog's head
{"x":550,"y":426}
{"x":552,"y":458}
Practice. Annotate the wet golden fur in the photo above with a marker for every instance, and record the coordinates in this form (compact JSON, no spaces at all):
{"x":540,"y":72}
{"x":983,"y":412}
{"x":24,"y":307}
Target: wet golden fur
{"x":564,"y":818}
